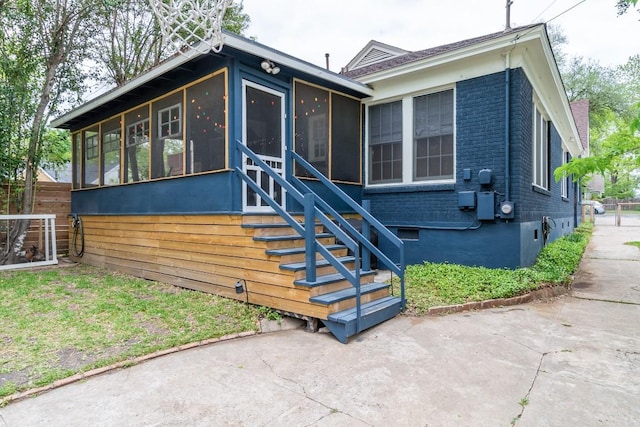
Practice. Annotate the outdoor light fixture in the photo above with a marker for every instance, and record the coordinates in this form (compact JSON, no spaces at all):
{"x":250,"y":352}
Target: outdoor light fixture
{"x":269,"y":67}
{"x":239,"y":287}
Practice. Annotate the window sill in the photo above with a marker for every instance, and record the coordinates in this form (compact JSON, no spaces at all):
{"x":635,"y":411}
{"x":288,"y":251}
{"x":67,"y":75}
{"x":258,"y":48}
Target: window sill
{"x":410,"y":188}
{"x":565,"y":199}
{"x":540,"y":190}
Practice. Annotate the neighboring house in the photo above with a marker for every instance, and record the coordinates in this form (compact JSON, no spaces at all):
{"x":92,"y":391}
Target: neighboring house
{"x":594,"y":185}
{"x":55,"y":174}
{"x":451,"y":148}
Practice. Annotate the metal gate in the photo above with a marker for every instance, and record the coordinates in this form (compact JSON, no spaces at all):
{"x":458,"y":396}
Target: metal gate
{"x":616,"y":214}
{"x":628,"y":214}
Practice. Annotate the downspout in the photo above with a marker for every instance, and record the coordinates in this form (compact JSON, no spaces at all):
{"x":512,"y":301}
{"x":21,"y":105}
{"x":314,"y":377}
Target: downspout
{"x":507,"y":130}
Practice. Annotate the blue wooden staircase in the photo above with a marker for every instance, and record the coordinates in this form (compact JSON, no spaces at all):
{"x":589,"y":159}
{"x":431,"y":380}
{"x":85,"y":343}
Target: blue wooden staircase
{"x":327,"y":256}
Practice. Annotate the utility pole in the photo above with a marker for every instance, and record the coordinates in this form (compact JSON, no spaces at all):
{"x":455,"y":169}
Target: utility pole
{"x":508,"y":23}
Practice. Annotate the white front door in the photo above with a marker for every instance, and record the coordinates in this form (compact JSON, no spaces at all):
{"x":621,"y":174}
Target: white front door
{"x":263,"y":126}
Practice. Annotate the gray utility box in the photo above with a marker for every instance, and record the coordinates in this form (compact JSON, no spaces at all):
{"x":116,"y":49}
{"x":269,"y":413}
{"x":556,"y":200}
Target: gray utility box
{"x":467,"y":200}
{"x":486,"y":205}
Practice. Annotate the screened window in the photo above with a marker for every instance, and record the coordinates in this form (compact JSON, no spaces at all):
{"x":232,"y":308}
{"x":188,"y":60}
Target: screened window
{"x":77,"y":159}
{"x":136,"y":159}
{"x":385,"y":142}
{"x":540,"y":150}
{"x":433,"y":136}
{"x":111,"y":138}
{"x":345,"y":138}
{"x":206,"y":133}
{"x":91,"y":172}
{"x":312,"y":127}
{"x":167,"y":149}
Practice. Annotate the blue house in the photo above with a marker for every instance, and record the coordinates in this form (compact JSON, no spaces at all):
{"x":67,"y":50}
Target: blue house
{"x":257,"y":176}
{"x":461,"y":143}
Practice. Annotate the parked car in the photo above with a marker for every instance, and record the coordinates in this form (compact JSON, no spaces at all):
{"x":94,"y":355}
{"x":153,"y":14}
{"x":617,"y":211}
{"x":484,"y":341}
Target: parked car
{"x":598,"y":207}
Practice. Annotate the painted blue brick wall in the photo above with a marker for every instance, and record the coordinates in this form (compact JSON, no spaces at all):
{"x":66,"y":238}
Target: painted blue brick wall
{"x":534,"y":204}
{"x":479,"y":145}
{"x":448,"y":234}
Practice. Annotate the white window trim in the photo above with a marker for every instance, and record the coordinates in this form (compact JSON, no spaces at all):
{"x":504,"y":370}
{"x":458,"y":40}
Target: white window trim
{"x":179,"y":120}
{"x":407,"y":142}
{"x":564,"y":186}
{"x":143,"y":140}
{"x":318,"y":138}
{"x":538,"y":108}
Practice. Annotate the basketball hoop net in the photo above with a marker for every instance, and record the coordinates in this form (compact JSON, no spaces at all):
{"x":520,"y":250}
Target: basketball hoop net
{"x":191,"y":24}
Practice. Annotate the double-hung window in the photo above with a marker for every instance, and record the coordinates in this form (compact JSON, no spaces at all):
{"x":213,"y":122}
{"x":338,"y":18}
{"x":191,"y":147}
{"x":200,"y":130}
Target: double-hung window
{"x":385,"y":142}
{"x":540,"y":150}
{"x":565,"y":183}
{"x":412,"y":140}
{"x":433,"y":136}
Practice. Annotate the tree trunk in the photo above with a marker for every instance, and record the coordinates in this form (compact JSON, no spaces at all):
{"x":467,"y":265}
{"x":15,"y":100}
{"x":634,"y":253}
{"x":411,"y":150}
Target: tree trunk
{"x":18,"y":232}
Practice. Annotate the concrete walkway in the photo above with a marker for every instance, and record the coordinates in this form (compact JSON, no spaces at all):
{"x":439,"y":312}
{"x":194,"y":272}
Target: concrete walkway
{"x":573,"y":361}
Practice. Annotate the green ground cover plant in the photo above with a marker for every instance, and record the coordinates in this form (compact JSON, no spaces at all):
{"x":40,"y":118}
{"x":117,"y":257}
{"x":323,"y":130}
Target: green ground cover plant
{"x":61,"y":321}
{"x":429,"y":284}
{"x":636,"y":244}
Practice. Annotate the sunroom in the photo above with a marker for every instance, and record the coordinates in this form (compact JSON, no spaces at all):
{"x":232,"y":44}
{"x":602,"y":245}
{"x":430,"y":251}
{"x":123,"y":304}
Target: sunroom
{"x":226,"y":172}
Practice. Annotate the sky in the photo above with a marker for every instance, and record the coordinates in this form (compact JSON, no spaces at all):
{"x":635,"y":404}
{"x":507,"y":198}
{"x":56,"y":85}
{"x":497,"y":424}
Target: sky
{"x":308,"y":30}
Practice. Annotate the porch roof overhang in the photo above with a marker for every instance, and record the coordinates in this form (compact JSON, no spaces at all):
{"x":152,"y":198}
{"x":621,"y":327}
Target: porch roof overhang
{"x":235,"y":42}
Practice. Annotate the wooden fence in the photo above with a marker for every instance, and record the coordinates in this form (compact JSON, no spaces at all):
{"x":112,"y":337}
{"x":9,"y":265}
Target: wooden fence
{"x":51,"y":198}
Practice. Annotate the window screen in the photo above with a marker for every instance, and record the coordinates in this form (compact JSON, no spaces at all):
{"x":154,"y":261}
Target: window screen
{"x":312,"y":127}
{"x":111,"y":138}
{"x":206,"y":130}
{"x":167,"y":148}
{"x":91,"y":172}
{"x":136,"y":160}
{"x":77,"y":159}
{"x":345,"y":138}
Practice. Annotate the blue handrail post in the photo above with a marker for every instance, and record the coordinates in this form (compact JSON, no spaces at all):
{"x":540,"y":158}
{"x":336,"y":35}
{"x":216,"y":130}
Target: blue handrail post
{"x":366,"y":233}
{"x":403,"y":299}
{"x":356,"y":283}
{"x":310,"y":236}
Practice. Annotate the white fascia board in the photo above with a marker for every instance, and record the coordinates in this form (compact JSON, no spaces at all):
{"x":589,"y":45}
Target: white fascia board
{"x":280,"y":58}
{"x":549,"y":89}
{"x":499,"y":44}
{"x":132,"y":84}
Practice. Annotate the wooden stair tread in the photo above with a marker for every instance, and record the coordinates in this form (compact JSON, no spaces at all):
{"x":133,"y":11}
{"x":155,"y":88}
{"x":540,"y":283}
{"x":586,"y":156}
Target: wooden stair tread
{"x":300,"y":250}
{"x":283,"y":225}
{"x":328,"y":278}
{"x":299,"y":266}
{"x":366,"y":309}
{"x":288,"y":237}
{"x":343,"y":294}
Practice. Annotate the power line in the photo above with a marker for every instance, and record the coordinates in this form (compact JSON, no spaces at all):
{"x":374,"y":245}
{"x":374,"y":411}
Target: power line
{"x":542,"y":13}
{"x":562,"y":13}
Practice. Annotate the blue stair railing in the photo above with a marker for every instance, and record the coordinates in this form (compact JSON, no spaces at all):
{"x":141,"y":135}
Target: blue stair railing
{"x":368,"y":222}
{"x":316,"y":209}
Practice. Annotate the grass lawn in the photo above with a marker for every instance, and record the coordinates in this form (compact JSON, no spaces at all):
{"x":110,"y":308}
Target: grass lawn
{"x":60,"y":321}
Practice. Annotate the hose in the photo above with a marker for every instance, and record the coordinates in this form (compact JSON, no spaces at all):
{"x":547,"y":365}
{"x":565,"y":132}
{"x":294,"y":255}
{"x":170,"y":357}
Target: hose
{"x":77,"y":230}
